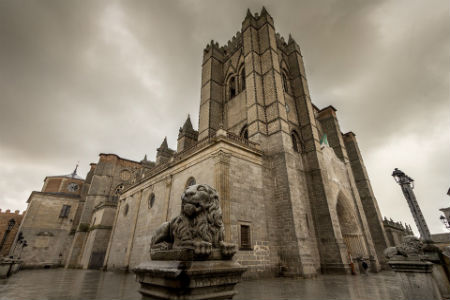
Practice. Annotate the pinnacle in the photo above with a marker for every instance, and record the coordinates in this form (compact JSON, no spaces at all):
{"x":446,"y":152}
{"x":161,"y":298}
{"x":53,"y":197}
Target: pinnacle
{"x":291,"y":40}
{"x":249,"y":14}
{"x":164,"y":144}
{"x":264,"y":11}
{"x":74,"y":173}
{"x":187,"y":125}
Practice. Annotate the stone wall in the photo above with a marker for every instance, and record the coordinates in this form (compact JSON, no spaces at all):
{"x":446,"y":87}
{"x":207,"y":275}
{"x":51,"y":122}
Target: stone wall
{"x":48,"y":235}
{"x":242,"y":196}
{"x":5,"y":217}
{"x":107,"y":179}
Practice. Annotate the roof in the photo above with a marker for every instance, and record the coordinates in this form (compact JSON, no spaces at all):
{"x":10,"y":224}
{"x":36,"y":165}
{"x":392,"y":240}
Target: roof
{"x":73,"y":175}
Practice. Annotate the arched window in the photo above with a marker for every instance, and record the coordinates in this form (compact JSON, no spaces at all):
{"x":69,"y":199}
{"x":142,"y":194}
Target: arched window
{"x":295,"y":141}
{"x":232,"y":87}
{"x":190,"y":181}
{"x":119,"y":189}
{"x":285,"y":82}
{"x":243,"y":79}
{"x":151,"y":200}
{"x":244,"y":132}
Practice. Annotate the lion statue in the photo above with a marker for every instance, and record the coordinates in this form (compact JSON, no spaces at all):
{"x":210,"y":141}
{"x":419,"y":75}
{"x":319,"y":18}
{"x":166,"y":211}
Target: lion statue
{"x":198,"y":227}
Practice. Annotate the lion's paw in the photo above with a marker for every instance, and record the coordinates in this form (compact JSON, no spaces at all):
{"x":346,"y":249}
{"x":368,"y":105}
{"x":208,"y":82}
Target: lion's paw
{"x":202,"y":248}
{"x":227,"y":249}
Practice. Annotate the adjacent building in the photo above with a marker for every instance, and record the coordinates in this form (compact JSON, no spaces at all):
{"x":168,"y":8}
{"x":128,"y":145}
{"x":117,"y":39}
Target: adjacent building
{"x":50,"y":220}
{"x":9,"y":226}
{"x":396,"y":231}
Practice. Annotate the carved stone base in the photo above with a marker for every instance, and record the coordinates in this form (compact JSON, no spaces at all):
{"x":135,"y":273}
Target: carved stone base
{"x":416,"y":279}
{"x":211,"y":279}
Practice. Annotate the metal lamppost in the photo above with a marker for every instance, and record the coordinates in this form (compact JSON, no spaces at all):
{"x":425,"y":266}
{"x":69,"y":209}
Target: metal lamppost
{"x":407,"y":185}
{"x":11,"y":224}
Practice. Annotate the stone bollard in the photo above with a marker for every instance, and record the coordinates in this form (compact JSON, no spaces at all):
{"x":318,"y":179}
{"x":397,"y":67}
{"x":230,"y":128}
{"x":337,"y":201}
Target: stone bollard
{"x":415,"y":273}
{"x":189,"y":259}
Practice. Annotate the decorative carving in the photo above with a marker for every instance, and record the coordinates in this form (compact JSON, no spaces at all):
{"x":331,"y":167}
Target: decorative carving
{"x":411,"y":247}
{"x":198,"y":228}
{"x":125,"y":175}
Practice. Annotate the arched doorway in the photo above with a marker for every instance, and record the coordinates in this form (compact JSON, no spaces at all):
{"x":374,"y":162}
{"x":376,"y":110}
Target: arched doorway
{"x":350,"y":228}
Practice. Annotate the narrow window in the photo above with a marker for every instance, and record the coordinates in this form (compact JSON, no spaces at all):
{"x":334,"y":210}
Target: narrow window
{"x":64,"y":211}
{"x":190,"y":181}
{"x":243,"y":79}
{"x":245,"y":237}
{"x":285,"y":83}
{"x":151,"y":200}
{"x":232,"y":87}
{"x":244,"y":132}
{"x":294,"y":142}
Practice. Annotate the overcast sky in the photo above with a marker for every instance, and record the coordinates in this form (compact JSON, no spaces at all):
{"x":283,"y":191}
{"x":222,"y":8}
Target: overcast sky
{"x":78,"y":78}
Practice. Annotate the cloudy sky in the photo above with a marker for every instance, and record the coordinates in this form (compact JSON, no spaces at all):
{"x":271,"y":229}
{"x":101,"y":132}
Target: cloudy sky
{"x":78,"y":78}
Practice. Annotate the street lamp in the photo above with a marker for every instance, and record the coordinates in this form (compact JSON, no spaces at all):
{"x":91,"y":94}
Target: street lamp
{"x":11,"y":224}
{"x":402,"y":178}
{"x":407,"y":185}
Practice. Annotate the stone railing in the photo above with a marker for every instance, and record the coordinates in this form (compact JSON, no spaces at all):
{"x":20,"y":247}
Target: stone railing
{"x":211,"y":139}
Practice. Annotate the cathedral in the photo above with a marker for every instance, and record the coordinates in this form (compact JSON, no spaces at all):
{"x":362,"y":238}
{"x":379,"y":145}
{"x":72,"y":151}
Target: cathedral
{"x":294,"y":190}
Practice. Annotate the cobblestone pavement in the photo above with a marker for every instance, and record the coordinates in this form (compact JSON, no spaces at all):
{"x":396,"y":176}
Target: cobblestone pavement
{"x":90,"y":284}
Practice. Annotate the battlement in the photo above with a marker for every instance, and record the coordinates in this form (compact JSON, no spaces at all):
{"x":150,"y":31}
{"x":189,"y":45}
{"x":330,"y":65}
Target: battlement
{"x":397,"y":225}
{"x":281,"y":43}
{"x":256,"y":20}
{"x":8,"y":211}
{"x":233,"y":44}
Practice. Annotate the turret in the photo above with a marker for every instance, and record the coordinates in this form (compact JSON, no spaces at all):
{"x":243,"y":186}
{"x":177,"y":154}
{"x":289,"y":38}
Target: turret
{"x":163,"y":153}
{"x":147,"y":163}
{"x":187,"y":136}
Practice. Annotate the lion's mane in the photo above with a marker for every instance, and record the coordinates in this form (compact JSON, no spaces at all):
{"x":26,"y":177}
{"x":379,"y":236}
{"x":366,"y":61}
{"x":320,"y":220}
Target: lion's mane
{"x":206,"y":226}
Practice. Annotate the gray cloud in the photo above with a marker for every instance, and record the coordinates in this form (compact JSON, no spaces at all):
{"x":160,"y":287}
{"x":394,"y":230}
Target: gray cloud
{"x":80,"y":78}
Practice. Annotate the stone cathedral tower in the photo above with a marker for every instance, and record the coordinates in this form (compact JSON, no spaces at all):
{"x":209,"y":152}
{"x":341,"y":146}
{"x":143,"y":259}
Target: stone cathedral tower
{"x":323,"y":204}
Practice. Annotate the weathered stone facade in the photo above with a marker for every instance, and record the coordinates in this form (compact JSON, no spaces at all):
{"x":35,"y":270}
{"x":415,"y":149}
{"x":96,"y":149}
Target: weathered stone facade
{"x":294,"y":191}
{"x":396,"y":231}
{"x":104,"y":182}
{"x":48,"y":222}
{"x":7,"y":236}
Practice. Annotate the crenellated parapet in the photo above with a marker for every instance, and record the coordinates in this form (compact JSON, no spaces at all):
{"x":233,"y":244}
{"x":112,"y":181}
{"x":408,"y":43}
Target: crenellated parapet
{"x":397,"y":225}
{"x":8,"y":212}
{"x":232,"y":45}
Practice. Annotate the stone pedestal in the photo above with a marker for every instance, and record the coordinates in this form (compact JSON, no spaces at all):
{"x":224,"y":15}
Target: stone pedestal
{"x":5,"y":267}
{"x":174,"y":279}
{"x":416,"y":279}
{"x":16,"y":266}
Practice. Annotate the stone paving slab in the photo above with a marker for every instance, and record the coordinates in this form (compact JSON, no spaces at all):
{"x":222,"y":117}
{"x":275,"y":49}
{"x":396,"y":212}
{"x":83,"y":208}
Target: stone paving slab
{"x":90,"y":284}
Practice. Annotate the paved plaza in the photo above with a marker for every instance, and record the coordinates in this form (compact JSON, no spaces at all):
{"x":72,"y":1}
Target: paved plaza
{"x":91,"y":284}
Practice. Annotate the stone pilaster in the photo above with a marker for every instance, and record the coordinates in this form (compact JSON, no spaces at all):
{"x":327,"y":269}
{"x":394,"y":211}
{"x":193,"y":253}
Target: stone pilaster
{"x":367,"y":196}
{"x":222,"y":184}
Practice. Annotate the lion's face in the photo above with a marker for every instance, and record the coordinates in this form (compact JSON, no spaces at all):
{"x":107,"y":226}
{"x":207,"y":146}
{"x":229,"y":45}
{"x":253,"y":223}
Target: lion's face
{"x":196,"y":198}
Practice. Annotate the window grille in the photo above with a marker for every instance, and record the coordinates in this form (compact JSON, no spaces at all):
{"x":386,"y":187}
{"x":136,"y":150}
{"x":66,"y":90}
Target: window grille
{"x":64,"y":211}
{"x":245,"y":237}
